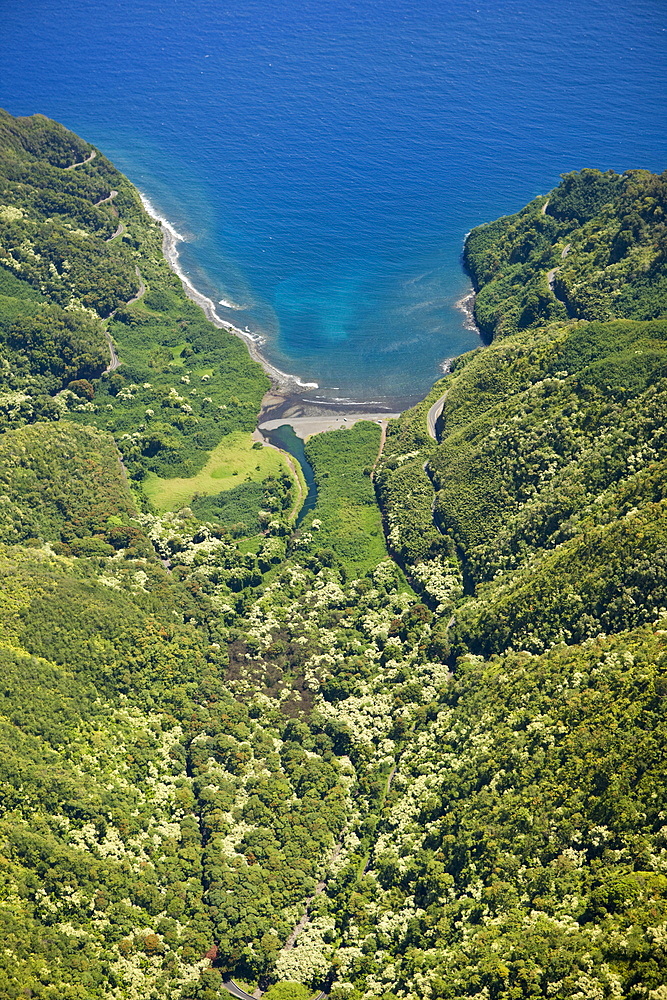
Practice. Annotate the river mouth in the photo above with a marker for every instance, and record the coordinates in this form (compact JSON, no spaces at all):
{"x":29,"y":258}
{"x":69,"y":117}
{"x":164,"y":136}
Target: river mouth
{"x":284,"y":437}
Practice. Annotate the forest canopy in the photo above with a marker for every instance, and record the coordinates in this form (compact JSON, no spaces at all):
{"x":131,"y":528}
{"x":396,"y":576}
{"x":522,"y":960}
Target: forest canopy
{"x":410,"y":747}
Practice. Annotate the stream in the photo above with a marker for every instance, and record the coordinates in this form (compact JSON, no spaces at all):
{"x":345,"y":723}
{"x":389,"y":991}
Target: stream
{"x":285,"y":438}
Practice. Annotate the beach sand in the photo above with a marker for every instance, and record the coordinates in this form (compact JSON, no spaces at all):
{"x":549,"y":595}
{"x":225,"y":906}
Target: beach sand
{"x":309,"y":418}
{"x":305,"y":427}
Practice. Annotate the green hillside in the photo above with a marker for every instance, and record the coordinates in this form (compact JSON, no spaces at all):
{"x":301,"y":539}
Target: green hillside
{"x":231,"y":746}
{"x":594,"y":249}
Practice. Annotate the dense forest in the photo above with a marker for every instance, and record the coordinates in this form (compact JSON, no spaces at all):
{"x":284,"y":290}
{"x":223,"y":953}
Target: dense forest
{"x":412,"y":748}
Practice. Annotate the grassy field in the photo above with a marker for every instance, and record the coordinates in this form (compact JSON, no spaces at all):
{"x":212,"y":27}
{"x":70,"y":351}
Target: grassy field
{"x":349,"y":518}
{"x":231,"y":462}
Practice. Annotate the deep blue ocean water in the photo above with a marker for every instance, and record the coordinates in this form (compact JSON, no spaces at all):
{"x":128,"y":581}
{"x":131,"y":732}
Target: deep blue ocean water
{"x":325,"y":160}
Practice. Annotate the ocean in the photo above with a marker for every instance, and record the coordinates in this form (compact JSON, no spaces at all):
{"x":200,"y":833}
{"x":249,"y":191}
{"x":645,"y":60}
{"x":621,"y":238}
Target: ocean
{"x":324,"y":161}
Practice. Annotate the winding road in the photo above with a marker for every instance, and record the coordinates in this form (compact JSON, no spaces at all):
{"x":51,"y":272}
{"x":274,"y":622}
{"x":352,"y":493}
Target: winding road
{"x":120,"y":229}
{"x":82,"y":162}
{"x":119,"y":232}
{"x":551,"y":275}
{"x":114,"y":361}
{"x":103,"y":201}
{"x":433,"y":415}
{"x":142,"y":289}
{"x":236,"y":991}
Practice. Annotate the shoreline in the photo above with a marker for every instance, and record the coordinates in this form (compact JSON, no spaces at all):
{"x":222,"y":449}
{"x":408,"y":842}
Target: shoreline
{"x":307,"y":418}
{"x":466,"y":305}
{"x":287,"y":402}
{"x":283,"y":381}
{"x":306,"y":427}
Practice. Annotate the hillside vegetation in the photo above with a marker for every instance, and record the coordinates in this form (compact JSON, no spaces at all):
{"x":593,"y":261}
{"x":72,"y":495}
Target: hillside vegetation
{"x":594,"y":249}
{"x":230,"y":746}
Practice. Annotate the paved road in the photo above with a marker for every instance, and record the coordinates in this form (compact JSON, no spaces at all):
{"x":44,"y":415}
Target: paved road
{"x":81,"y":162}
{"x":114,"y":361}
{"x":236,"y":991}
{"x":142,"y":289}
{"x":103,"y":201}
{"x":551,"y":279}
{"x":119,"y":231}
{"x":551,"y":275}
{"x":240,"y":994}
{"x":433,"y":414}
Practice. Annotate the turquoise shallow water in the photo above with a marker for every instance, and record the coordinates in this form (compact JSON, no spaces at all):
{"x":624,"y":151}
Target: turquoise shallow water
{"x":325,"y":161}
